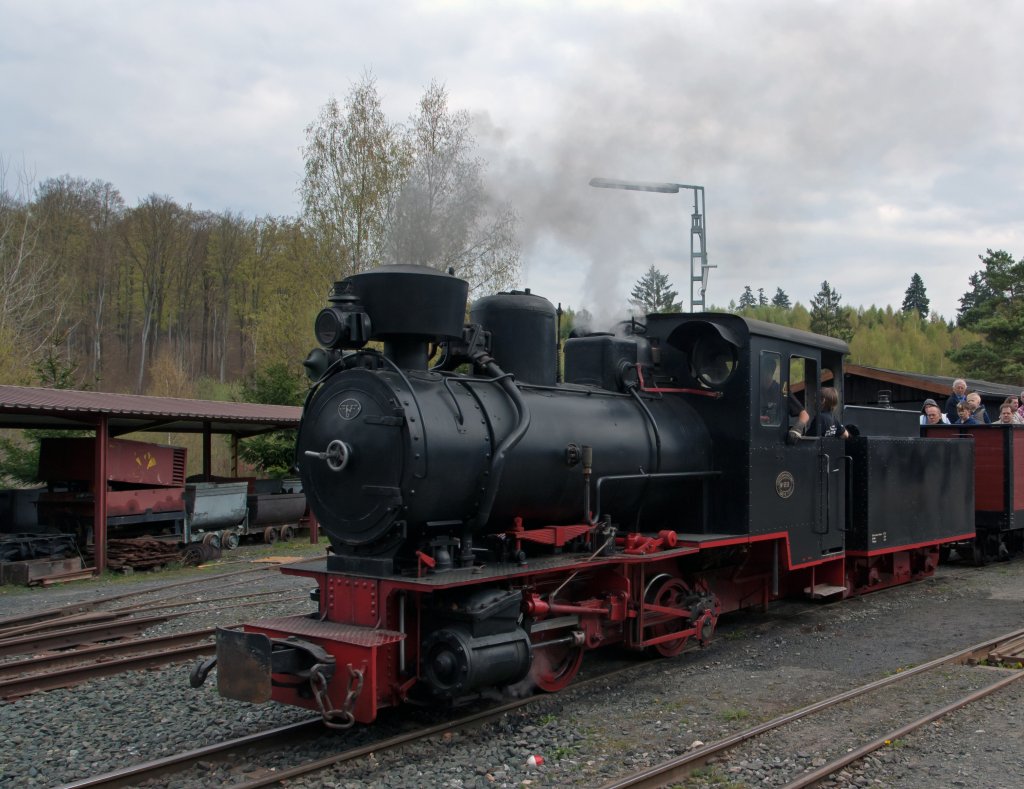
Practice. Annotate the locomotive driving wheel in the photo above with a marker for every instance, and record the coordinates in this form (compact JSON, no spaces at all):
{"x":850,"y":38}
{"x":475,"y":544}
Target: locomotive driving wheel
{"x":666,"y":591}
{"x":557,"y":656}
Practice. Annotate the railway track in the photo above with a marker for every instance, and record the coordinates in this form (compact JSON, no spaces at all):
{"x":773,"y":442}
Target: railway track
{"x":1007,"y":649}
{"x":64,"y":669}
{"x":262,"y":754}
{"x":82,"y":641}
{"x":268,"y":746}
{"x":20,"y":624}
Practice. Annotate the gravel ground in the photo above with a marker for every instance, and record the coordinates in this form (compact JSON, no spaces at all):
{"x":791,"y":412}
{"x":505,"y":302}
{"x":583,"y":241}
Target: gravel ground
{"x":761,"y":665}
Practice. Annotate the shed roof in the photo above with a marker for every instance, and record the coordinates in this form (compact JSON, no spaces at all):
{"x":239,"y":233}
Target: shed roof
{"x":35,"y":407}
{"x":937,"y":384}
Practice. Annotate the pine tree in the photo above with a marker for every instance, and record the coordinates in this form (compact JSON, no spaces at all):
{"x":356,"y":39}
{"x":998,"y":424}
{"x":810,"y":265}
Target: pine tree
{"x":780,"y":299}
{"x":994,"y":307}
{"x":915,"y":299}
{"x":747,"y":300}
{"x":762,"y":300}
{"x":828,"y":316}
{"x":653,"y":293}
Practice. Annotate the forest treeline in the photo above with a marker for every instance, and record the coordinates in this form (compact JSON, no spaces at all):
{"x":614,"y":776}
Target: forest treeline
{"x":149,"y":298}
{"x":908,"y":338}
{"x":161,"y":298}
{"x":982,"y":343}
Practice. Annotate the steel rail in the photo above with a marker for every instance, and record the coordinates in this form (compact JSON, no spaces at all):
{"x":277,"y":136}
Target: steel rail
{"x":18,"y":620}
{"x":133,"y":775}
{"x":59,"y":623}
{"x":665,"y":773}
{"x":75,"y":675}
{"x":813,"y":778}
{"x":88,"y":634}
{"x":55,"y":661}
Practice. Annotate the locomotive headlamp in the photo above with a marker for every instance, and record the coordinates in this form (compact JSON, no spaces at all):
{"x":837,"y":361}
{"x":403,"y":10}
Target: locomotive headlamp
{"x":344,"y":324}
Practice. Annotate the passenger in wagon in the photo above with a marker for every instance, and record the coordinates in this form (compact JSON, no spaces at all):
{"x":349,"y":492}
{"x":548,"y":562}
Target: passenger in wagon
{"x":1006,"y":414}
{"x":964,"y":415}
{"x":977,"y":409}
{"x":958,"y":396}
{"x":931,"y":414}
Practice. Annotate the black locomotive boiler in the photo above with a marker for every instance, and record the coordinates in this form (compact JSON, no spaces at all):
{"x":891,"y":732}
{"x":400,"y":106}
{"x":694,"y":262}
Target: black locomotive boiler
{"x":489,"y":523}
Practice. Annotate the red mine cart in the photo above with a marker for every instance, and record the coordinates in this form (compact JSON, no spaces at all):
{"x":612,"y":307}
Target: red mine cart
{"x":145,"y":485}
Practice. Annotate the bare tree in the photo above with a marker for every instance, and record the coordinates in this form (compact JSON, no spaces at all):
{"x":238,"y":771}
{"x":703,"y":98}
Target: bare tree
{"x":153,"y":241}
{"x":354,"y":159}
{"x":30,"y":303}
{"x":229,"y":246}
{"x":190,"y":288}
{"x":80,"y":235}
{"x":443,"y":216}
{"x":375,"y":194}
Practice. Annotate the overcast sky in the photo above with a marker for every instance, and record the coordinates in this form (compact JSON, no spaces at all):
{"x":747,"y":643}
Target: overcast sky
{"x":858,"y":142}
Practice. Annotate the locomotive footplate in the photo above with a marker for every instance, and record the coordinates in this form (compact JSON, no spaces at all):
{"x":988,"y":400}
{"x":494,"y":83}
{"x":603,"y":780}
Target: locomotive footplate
{"x":466,"y":576}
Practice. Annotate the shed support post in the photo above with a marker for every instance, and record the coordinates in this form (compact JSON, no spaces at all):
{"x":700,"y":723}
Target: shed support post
{"x":207,"y":451}
{"x":99,"y":518}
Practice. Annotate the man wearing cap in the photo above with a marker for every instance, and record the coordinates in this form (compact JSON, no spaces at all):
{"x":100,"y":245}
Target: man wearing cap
{"x":931,"y":414}
{"x":958,"y":396}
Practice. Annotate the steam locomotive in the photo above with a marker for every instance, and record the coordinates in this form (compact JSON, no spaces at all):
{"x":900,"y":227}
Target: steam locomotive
{"x":491,"y":520}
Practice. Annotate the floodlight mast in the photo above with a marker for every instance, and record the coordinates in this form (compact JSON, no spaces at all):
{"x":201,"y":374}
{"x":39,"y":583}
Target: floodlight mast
{"x":699,"y":265}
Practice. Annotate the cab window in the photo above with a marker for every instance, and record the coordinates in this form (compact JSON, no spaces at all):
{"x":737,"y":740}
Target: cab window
{"x":803,"y":385}
{"x":770,"y":390}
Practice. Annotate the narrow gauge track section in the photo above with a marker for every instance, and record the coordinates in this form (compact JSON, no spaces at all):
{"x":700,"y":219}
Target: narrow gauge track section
{"x":20,"y":624}
{"x":63,"y":669}
{"x":1007,"y":647}
{"x":245,"y":750}
{"x":90,"y":659}
{"x":69,"y":645}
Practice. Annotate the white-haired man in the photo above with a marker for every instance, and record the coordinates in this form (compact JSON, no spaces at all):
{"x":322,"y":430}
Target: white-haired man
{"x":959,"y":395}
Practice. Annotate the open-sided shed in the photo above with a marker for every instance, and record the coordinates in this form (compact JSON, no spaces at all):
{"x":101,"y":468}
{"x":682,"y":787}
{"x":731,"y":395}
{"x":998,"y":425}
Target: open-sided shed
{"x":110,"y":415}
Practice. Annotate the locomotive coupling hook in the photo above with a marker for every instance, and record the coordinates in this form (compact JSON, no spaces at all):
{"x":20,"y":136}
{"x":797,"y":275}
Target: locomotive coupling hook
{"x":337,"y":455}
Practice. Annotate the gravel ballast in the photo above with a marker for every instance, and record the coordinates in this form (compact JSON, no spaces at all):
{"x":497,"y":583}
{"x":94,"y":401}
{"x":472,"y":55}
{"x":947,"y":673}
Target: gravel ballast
{"x":759,"y":666}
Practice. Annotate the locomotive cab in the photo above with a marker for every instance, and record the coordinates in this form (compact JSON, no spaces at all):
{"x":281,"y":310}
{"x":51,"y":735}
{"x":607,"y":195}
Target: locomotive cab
{"x":770,"y":484}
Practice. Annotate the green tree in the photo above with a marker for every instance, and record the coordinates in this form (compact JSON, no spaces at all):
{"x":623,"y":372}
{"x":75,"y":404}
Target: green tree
{"x":19,"y":457}
{"x":829,"y":316}
{"x":781,"y":300}
{"x":355,"y":160}
{"x":653,"y":293}
{"x":916,"y":299}
{"x":276,"y":384}
{"x":747,"y":300}
{"x":994,"y":308}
